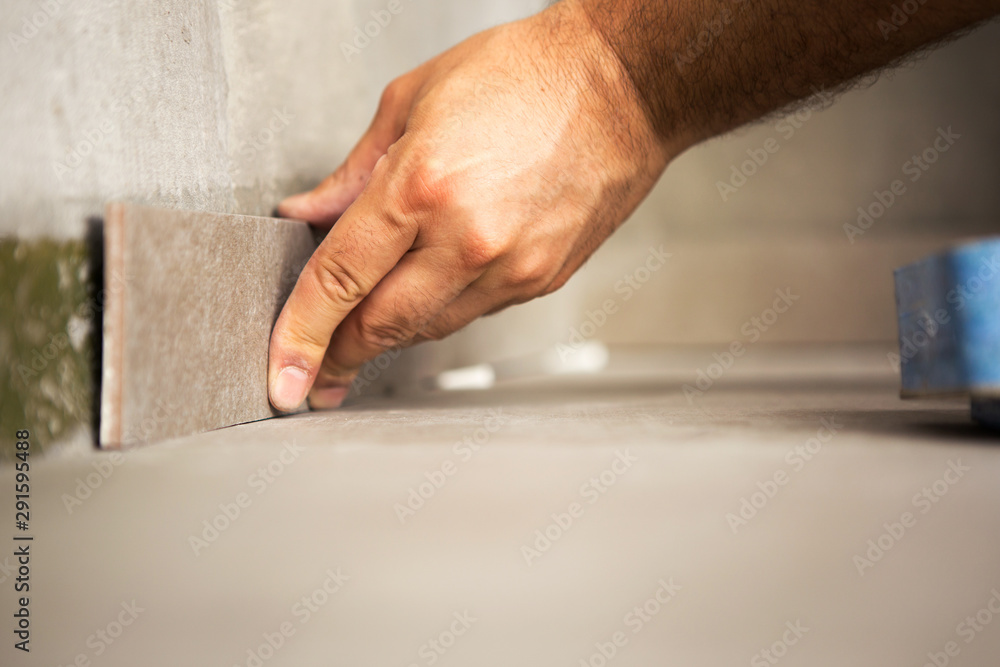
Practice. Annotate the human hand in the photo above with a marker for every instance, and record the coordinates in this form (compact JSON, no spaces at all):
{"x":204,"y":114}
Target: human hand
{"x":486,"y":179}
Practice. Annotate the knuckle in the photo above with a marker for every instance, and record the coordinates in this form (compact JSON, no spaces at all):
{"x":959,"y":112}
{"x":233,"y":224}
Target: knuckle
{"x":530,"y":271}
{"x":301,"y":340}
{"x":434,"y":333}
{"x":337,"y":282}
{"x":440,"y":328}
{"x":392,"y":95}
{"x":381,"y":332}
{"x":430,"y":186}
{"x":482,"y":246}
{"x":437,"y":334}
{"x":380,"y":170}
{"x":556,"y":284}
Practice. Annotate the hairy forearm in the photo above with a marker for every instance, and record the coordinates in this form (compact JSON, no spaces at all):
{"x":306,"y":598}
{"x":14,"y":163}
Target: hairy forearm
{"x":703,"y":67}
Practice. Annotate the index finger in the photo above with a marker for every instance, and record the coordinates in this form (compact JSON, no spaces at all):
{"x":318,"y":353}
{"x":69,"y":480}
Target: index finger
{"x":364,"y":245}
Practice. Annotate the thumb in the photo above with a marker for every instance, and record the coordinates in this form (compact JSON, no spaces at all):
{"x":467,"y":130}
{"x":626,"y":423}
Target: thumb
{"x":354,"y":257}
{"x":328,"y":201}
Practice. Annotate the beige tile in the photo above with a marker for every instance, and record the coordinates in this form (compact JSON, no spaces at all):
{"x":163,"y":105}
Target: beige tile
{"x":192,"y":298}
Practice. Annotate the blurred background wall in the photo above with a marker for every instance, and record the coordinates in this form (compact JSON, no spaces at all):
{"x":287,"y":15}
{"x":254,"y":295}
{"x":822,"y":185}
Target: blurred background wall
{"x":230,"y":105}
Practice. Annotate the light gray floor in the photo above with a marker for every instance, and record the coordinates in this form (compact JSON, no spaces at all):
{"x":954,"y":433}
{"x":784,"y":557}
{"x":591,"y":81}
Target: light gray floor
{"x":331,"y":507}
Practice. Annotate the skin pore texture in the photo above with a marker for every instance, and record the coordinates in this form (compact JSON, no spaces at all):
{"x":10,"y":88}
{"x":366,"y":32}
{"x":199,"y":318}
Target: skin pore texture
{"x":492,"y":172}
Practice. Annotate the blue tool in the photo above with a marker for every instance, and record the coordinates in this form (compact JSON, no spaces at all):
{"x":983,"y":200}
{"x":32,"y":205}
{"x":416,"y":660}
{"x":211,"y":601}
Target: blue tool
{"x":949,"y":327}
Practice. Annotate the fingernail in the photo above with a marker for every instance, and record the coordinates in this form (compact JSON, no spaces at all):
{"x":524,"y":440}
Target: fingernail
{"x":289,"y":389}
{"x":327,"y":397}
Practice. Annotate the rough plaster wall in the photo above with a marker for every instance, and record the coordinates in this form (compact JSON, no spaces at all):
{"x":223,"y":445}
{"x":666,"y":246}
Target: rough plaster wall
{"x":112,"y":100}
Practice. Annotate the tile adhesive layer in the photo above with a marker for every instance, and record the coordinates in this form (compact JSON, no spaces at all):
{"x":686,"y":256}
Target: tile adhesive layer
{"x":191,"y":300}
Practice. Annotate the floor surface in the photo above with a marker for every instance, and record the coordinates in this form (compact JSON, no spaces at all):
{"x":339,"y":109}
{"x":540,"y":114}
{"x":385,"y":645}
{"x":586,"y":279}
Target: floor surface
{"x":795,"y":511}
